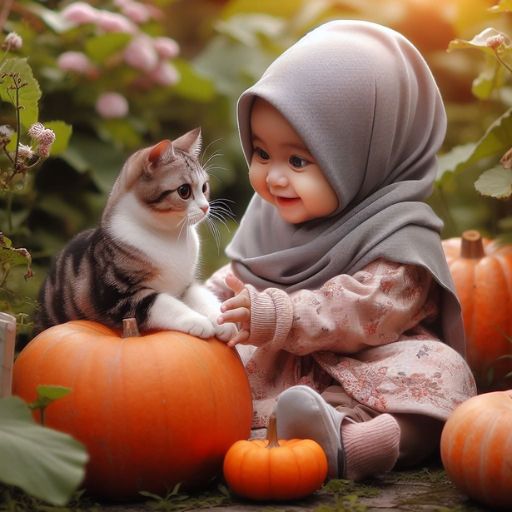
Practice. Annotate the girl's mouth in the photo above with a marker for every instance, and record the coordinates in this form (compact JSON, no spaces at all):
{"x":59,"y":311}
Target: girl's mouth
{"x":286,"y":201}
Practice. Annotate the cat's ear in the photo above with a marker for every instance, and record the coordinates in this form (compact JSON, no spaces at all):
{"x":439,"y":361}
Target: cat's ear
{"x":190,"y":142}
{"x":162,"y":151}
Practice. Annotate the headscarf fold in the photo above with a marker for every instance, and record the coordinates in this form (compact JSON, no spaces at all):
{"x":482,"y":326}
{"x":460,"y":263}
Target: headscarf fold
{"x":365,"y":103}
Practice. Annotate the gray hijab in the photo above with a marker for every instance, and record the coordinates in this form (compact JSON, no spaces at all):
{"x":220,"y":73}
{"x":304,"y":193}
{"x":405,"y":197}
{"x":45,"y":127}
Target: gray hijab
{"x":365,"y":103}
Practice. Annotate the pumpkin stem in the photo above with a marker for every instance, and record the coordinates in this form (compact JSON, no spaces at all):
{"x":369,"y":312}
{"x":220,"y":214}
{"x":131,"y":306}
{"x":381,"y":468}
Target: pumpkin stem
{"x":130,"y":327}
{"x":472,"y":245}
{"x":272,"y":432}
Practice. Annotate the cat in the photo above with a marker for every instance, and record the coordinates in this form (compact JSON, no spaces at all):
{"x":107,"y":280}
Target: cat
{"x":141,"y":260}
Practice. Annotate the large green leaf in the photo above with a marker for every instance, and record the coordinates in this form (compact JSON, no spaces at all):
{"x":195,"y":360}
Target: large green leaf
{"x":28,"y":95}
{"x":44,"y":463}
{"x":496,"y":182}
{"x":492,"y":77}
{"x":496,"y":141}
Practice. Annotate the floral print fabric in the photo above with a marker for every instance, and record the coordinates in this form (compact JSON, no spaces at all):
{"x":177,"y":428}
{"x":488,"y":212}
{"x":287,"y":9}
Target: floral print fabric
{"x":372,"y":333}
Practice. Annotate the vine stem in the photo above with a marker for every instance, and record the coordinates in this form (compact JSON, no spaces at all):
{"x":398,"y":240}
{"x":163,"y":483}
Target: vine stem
{"x":502,"y":62}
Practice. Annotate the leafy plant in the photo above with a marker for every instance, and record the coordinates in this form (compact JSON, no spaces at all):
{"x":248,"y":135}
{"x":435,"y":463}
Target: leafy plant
{"x":43,"y":462}
{"x":488,"y":161}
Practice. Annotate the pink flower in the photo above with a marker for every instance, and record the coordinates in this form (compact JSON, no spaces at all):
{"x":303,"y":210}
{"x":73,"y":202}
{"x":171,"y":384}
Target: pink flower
{"x":166,"y":47}
{"x":77,"y":62}
{"x":136,"y":11}
{"x":114,"y":22}
{"x":46,"y":137}
{"x":12,"y":41}
{"x":165,"y":74}
{"x":496,"y":41}
{"x":25,"y":152}
{"x":141,"y":54}
{"x":112,"y":105}
{"x":36,"y":130}
{"x":80,"y":13}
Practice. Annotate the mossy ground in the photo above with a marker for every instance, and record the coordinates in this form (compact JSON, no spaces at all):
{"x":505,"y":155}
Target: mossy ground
{"x":424,"y":490}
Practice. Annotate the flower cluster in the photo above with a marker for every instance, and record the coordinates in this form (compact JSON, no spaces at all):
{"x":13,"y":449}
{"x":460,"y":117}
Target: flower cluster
{"x":44,"y":137}
{"x":145,"y":53}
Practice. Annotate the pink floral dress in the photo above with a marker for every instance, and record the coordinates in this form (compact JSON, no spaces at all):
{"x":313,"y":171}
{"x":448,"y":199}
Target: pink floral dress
{"x":372,"y":333}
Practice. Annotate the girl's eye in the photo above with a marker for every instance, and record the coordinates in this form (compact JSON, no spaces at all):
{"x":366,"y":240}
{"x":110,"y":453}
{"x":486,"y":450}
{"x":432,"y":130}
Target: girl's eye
{"x":262,"y":154}
{"x":184,"y":191}
{"x":297,"y":162}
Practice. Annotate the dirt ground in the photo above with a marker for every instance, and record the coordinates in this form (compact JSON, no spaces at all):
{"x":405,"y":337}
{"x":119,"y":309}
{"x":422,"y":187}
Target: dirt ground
{"x":426,"y":489}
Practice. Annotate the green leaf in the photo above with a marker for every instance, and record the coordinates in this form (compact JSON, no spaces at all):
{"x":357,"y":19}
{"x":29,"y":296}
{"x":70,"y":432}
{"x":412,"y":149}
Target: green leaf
{"x":63,"y":133}
{"x":103,"y":46}
{"x":496,"y":182}
{"x":101,"y":159}
{"x":450,"y":161}
{"x":52,"y":392}
{"x":12,"y":257}
{"x":46,"y":464}
{"x":192,"y":85}
{"x":503,"y":6}
{"x":28,"y":95}
{"x":491,"y":78}
{"x":494,"y":143}
{"x":479,"y":42}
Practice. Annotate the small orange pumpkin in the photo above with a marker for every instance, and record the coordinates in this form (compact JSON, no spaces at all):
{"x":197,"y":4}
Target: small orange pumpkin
{"x":482,"y":272}
{"x":272,"y":469}
{"x":152,"y":410}
{"x":476,"y":448}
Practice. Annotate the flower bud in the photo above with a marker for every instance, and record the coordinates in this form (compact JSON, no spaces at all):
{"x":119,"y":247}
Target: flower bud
{"x":166,"y":47}
{"x":12,"y":41}
{"x":165,"y":74}
{"x":141,"y":54}
{"x":36,"y":130}
{"x":77,"y":62}
{"x":80,"y":13}
{"x":112,"y":105}
{"x":114,"y":22}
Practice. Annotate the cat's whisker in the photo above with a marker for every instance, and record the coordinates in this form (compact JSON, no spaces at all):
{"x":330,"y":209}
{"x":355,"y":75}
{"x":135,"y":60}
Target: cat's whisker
{"x":219,"y":218}
{"x":215,"y":232}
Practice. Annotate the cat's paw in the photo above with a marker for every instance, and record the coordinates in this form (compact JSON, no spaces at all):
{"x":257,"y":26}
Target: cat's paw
{"x":225,"y":332}
{"x":197,"y":325}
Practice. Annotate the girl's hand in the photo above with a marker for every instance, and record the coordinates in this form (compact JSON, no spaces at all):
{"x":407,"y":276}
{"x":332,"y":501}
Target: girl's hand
{"x":237,"y":309}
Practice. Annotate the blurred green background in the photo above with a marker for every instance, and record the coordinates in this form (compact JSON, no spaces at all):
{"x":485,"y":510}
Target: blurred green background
{"x":224,"y":47}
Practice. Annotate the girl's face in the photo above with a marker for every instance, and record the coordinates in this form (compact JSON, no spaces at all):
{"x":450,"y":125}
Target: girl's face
{"x":283,"y":172}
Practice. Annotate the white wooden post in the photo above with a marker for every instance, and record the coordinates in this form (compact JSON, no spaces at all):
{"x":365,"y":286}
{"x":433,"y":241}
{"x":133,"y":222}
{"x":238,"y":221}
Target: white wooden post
{"x":7,"y":342}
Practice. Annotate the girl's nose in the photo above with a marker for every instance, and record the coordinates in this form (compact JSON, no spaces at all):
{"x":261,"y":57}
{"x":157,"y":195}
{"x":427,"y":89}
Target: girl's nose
{"x":276,"y":178}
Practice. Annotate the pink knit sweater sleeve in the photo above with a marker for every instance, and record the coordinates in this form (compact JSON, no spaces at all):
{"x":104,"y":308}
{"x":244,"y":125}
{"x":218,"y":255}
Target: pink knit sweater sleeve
{"x":373,"y":307}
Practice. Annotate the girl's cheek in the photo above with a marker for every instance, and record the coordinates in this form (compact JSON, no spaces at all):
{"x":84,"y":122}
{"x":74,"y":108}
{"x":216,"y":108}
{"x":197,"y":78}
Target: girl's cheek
{"x":316,"y":194}
{"x":258,"y":181}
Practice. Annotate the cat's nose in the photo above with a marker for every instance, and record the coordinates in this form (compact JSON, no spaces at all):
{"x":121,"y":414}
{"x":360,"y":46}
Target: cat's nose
{"x":205,"y":209}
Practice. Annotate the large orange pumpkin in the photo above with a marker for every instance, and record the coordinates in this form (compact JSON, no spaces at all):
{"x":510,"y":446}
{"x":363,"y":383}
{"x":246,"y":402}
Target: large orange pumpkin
{"x":476,"y":448}
{"x":152,"y":410}
{"x":272,"y":469}
{"x":482,"y":272}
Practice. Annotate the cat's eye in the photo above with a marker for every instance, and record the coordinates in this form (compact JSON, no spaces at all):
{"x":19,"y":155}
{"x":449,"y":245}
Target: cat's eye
{"x":298,"y":162}
{"x":205,"y":188}
{"x":184,"y":191}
